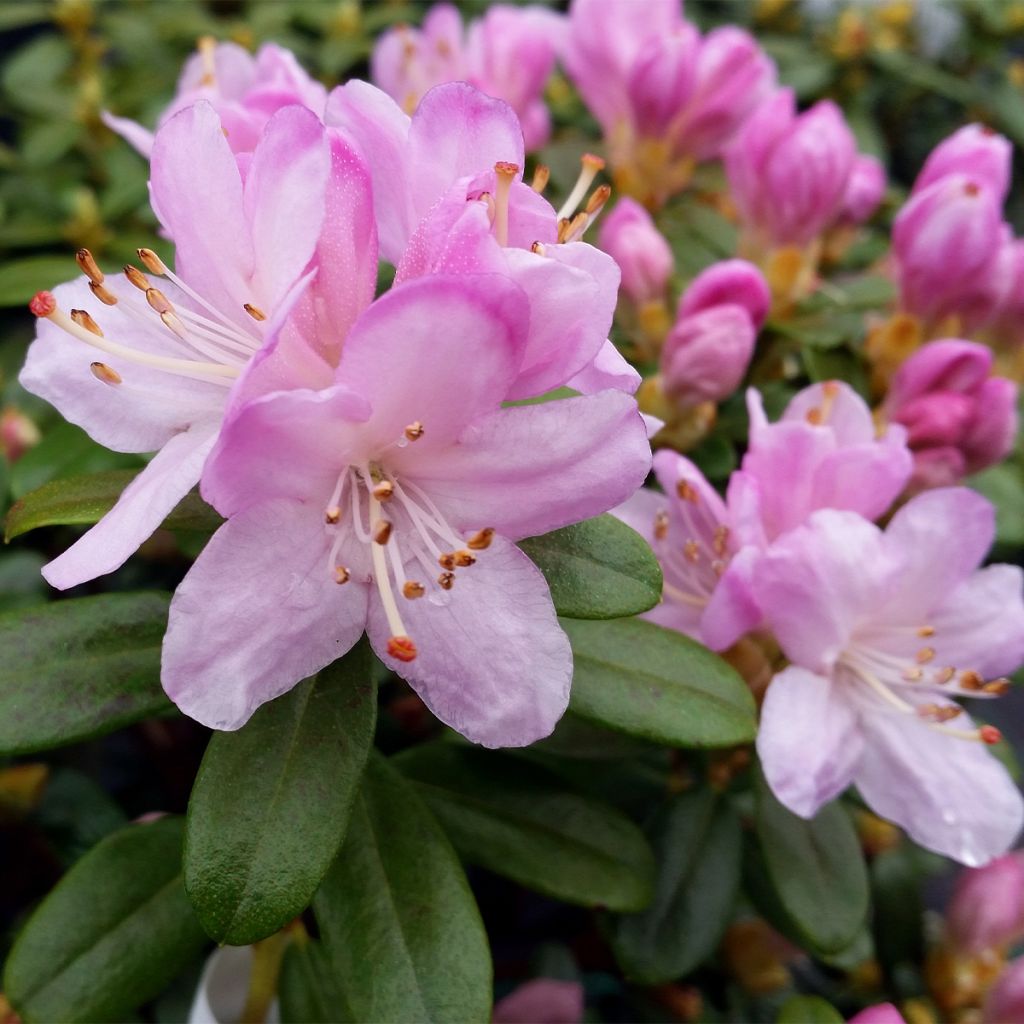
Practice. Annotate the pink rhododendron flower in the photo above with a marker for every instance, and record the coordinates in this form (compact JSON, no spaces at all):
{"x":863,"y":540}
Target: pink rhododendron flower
{"x":175,"y":356}
{"x":882,"y":629}
{"x":865,"y":189}
{"x":541,"y":1001}
{"x":883,"y":1013}
{"x":975,"y":150}
{"x":628,"y":234}
{"x":391,"y":502}
{"x":17,"y":434}
{"x":987,"y":907}
{"x":959,"y":418}
{"x":1005,"y":1001}
{"x":788,"y":172}
{"x":245,"y":90}
{"x":449,"y":199}
{"x":509,"y":53}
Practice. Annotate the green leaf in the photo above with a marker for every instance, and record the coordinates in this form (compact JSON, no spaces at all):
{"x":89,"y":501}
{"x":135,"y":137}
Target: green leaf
{"x":272,"y":801}
{"x":808,"y":1010}
{"x":520,"y":821}
{"x":21,"y":279}
{"x":638,"y":678}
{"x":86,"y":499}
{"x":1003,"y":485}
{"x":816,"y":869}
{"x":79,"y":668}
{"x":397,"y":916}
{"x":113,"y":933}
{"x":308,"y":989}
{"x":698,"y":847}
{"x":598,"y":569}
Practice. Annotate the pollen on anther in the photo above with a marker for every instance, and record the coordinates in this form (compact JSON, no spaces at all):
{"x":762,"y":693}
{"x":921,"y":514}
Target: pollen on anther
{"x":597,"y":199}
{"x":137,"y":277}
{"x":446,"y":580}
{"x":254,"y":311}
{"x":912,"y":675}
{"x":105,"y":373}
{"x":108,"y":298}
{"x":446,"y":560}
{"x":998,"y":687}
{"x":971,"y":680}
{"x":401,"y":648}
{"x":414,"y":431}
{"x":687,"y":492}
{"x":158,"y":300}
{"x":89,"y":266}
{"x":541,"y":174}
{"x":691,"y":551}
{"x":481,"y":540}
{"x":332,"y":515}
{"x":341,"y":574}
{"x":382,"y":531}
{"x":412,"y":589}
{"x":926,"y":631}
{"x":944,"y":675}
{"x":384,"y":491}
{"x":464,"y":558}
{"x":924,"y":655}
{"x":152,"y":262}
{"x":82,"y":318}
{"x":43,"y":304}
{"x":660,"y":524}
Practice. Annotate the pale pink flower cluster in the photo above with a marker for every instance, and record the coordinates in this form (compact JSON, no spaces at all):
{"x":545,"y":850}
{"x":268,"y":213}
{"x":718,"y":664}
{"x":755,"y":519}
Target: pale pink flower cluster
{"x":373,"y":475}
{"x":881,"y":628}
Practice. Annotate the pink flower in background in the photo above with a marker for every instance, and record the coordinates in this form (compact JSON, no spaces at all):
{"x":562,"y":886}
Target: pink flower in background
{"x":882,"y":630}
{"x":987,"y":907}
{"x":883,"y":1013}
{"x":707,"y":352}
{"x":865,"y":189}
{"x":959,"y":418}
{"x":1005,"y":1001}
{"x":174,"y":356}
{"x":17,"y":434}
{"x":450,"y":199}
{"x":509,"y":53}
{"x":1006,"y":328}
{"x":391,"y":502}
{"x":630,"y":237}
{"x":245,"y":90}
{"x":975,"y":150}
{"x":789,"y":173}
{"x":541,"y":1001}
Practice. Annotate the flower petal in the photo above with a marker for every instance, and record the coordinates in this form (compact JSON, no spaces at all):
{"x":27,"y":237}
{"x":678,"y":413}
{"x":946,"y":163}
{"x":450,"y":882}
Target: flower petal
{"x":139,"y":138}
{"x":256,"y":614}
{"x":492,"y":662}
{"x":809,"y":740}
{"x":142,"y":507}
{"x":609,"y":370}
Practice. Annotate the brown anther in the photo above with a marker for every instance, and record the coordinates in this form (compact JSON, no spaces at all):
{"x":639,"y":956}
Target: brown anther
{"x":948,"y":713}
{"x":944,"y":675}
{"x":401,"y":648}
{"x":481,"y":540}
{"x":998,"y":687}
{"x":414,"y":431}
{"x":464,"y":558}
{"x":718,"y":566}
{"x":384,"y":490}
{"x":411,"y":589}
{"x":332,"y":515}
{"x":254,"y":311}
{"x":687,"y":492}
{"x":564,"y":226}
{"x":721,"y":541}
{"x":971,"y":680}
{"x":926,"y":631}
{"x":538,"y":249}
{"x":912,"y":675}
{"x":541,"y":176}
{"x":43,"y":304}
{"x":341,"y":574}
{"x":989,"y":734}
{"x":382,"y":531}
{"x":152,"y":262}
{"x":660,"y":524}
{"x":815,"y":417}
{"x":691,"y":551}
{"x":597,"y":199}
{"x":971,"y":189}
{"x":576,"y":225}
{"x":924,"y":655}
{"x":137,"y":277}
{"x":158,"y":300}
{"x":89,"y":266}
{"x":82,"y":318}
{"x":171,"y":321}
{"x":108,"y":298}
{"x":446,"y":580}
{"x":105,"y":373}
{"x":506,"y":170}
{"x":592,"y":160}
{"x":446,"y":560}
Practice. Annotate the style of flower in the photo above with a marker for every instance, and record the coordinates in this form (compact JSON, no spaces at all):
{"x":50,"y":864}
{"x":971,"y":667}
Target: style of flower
{"x":882,"y":629}
{"x":391,"y":501}
{"x":245,"y":90}
{"x":175,"y":356}
{"x":509,"y":53}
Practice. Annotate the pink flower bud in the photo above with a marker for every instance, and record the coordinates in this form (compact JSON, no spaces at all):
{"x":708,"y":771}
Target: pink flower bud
{"x":945,"y":397}
{"x":629,"y":236}
{"x":541,"y":1001}
{"x":707,"y":354}
{"x":788,"y":173}
{"x":864,"y":190}
{"x":731,"y":281}
{"x":662,"y":80}
{"x":987,"y":908}
{"x":883,"y":1013}
{"x":17,"y":434}
{"x":946,"y":245}
{"x":975,"y":150}
{"x":1005,"y":1002}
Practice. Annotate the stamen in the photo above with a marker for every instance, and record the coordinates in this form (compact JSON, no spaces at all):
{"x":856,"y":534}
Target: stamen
{"x":446,"y":560}
{"x":108,"y":298}
{"x":341,"y":574}
{"x":384,"y":490}
{"x":414,"y":431}
{"x":158,"y":300}
{"x":691,"y":551}
{"x":506,"y":174}
{"x":82,"y":318}
{"x":332,"y":515}
{"x":254,"y":311}
{"x":912,"y":675}
{"x":538,"y":249}
{"x":661,"y":522}
{"x":207,"y":47}
{"x":541,"y":175}
{"x":721,"y":541}
{"x":137,"y":277}
{"x":926,"y":631}
{"x":89,"y":266}
{"x":564,"y":225}
{"x":446,"y":580}
{"x":105,"y":373}
{"x":944,"y":675}
{"x":152,"y":262}
{"x":464,"y":558}
{"x":998,"y":687}
{"x":381,"y":531}
{"x":924,"y":655}
{"x":481,"y":540}
{"x":412,"y":589}
{"x":687,"y":492}
{"x":588,"y":172}
{"x":971,"y":680}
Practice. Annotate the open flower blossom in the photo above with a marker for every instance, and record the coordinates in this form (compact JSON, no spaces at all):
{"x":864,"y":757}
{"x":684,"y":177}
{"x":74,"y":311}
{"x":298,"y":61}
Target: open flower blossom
{"x":509,"y":53}
{"x":707,"y":352}
{"x":390,"y":502}
{"x":958,"y":416}
{"x":882,"y":630}
{"x":449,"y":198}
{"x":986,"y":910}
{"x":173,"y":357}
{"x":975,"y":150}
{"x":666,"y":98}
{"x":245,"y":90}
